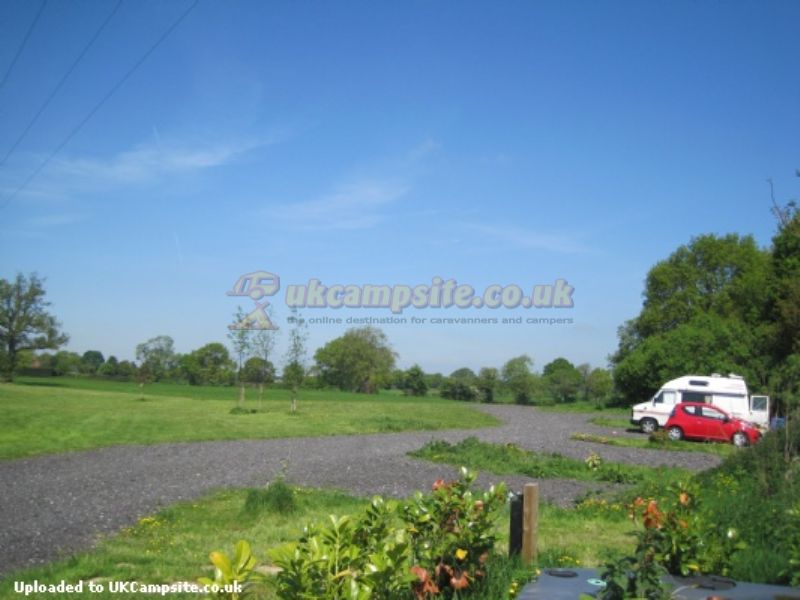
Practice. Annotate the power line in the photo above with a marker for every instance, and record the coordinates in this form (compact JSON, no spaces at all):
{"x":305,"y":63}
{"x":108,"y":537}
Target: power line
{"x":99,"y":105}
{"x":52,"y":95}
{"x":24,"y":42}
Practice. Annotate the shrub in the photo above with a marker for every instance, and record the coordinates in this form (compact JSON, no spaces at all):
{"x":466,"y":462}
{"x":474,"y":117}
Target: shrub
{"x":240,"y":571}
{"x":277,"y":497}
{"x":593,"y":461}
{"x":659,"y":437}
{"x":452,"y":535}
{"x":434,"y":545}
{"x":456,"y":389}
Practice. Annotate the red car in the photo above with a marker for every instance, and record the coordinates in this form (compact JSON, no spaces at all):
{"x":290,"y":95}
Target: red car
{"x":696,"y":420}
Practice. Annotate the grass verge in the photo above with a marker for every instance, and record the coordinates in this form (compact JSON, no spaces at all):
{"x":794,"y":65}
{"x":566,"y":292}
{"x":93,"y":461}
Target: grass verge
{"x":512,"y":460}
{"x":648,"y":444}
{"x":614,"y":422}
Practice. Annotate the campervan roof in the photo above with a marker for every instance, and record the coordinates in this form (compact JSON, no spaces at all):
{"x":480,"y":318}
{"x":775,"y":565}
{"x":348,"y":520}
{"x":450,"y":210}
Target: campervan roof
{"x":734,"y":384}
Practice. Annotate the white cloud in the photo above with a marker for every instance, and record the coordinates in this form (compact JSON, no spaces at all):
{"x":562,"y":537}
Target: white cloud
{"x":357,"y":205}
{"x":151,"y":161}
{"x":361,"y":203}
{"x":526,"y":239}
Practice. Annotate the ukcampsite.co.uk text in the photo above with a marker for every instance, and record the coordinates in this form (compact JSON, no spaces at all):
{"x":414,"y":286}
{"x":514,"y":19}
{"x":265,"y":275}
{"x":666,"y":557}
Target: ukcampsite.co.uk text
{"x":81,"y":588}
{"x":440,"y":293}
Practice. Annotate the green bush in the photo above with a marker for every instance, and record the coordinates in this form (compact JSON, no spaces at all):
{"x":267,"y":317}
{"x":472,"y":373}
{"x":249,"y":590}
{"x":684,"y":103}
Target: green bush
{"x":277,"y":497}
{"x":239,"y":572}
{"x":758,"y":564}
{"x":455,"y":389}
{"x":436,"y":545}
{"x":659,"y":437}
{"x":740,"y":520}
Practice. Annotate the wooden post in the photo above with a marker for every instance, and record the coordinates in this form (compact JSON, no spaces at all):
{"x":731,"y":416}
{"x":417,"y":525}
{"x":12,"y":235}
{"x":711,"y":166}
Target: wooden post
{"x":530,"y":522}
{"x":515,"y":526}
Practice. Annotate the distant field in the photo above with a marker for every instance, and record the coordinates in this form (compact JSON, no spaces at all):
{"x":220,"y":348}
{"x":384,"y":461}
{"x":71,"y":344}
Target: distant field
{"x":52,"y":415}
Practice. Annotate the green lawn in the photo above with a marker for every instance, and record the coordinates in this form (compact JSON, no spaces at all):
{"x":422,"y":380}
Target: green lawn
{"x":62,"y":414}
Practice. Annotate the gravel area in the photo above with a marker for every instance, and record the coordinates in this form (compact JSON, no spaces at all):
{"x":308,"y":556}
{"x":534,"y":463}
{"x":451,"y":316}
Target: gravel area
{"x":55,"y":505}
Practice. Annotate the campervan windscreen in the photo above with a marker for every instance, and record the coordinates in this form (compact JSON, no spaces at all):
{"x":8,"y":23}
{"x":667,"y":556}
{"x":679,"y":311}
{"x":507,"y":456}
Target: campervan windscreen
{"x":664,"y":397}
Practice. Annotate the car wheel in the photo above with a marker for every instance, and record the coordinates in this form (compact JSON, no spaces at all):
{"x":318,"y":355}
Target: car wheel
{"x":675,"y":434}
{"x":648,"y":425}
{"x":740,"y":439}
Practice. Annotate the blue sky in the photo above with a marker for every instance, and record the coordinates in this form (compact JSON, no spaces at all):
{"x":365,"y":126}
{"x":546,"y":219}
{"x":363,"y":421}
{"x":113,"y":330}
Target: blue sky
{"x":363,"y":142}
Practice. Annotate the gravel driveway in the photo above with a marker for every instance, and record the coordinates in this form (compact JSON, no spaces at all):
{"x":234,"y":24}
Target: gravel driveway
{"x":54,"y":505}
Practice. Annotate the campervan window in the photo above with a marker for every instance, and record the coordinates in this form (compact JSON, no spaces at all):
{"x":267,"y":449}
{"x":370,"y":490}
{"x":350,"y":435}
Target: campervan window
{"x":696,"y":397}
{"x":759,"y":403}
{"x":664,"y":398}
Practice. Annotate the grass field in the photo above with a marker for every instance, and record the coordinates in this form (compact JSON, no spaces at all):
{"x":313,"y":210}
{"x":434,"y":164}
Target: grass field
{"x":173,"y":545}
{"x":58,"y":415}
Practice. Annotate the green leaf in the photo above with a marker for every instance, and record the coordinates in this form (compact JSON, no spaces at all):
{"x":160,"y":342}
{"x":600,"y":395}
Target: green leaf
{"x":221,"y":562}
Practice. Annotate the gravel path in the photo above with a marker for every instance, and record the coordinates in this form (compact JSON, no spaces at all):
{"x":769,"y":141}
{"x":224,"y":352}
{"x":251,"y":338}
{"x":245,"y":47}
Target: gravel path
{"x":56,"y":505}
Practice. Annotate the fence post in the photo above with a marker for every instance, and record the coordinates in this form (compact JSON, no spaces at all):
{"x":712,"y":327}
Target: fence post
{"x":530,"y":522}
{"x":515,"y":526}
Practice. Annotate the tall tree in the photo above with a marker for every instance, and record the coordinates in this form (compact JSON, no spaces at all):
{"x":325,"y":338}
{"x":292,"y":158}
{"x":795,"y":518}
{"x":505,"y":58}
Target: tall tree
{"x":585,"y":370}
{"x":361,"y":360}
{"x":599,"y":386}
{"x":91,"y":361}
{"x":25,"y":323}
{"x":210,"y":364}
{"x":240,"y":335}
{"x":294,"y":372}
{"x":705,"y":310}
{"x":518,"y":379}
{"x":263,"y":346}
{"x":487,"y":381}
{"x":785,"y":288}
{"x":465,"y":374}
{"x":562,"y":379}
{"x":110,"y":368}
{"x":414,"y":382}
{"x":66,"y":363}
{"x":156,"y":358}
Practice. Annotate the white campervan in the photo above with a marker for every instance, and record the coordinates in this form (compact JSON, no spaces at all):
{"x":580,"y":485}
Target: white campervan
{"x":729,"y":393}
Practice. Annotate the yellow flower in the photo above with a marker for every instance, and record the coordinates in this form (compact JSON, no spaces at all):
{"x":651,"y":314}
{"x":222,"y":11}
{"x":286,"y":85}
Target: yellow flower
{"x":461,"y":554}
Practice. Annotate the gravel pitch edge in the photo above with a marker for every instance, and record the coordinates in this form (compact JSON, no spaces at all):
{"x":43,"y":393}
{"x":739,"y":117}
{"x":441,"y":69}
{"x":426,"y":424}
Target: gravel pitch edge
{"x":57,"y":504}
